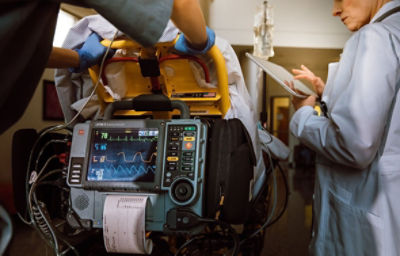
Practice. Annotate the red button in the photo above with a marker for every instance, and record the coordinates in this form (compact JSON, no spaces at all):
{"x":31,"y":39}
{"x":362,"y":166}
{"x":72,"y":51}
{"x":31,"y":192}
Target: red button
{"x":81,"y":132}
{"x":188,"y":145}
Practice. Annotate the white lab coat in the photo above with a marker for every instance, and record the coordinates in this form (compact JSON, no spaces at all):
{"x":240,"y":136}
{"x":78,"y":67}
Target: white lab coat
{"x":357,"y":188}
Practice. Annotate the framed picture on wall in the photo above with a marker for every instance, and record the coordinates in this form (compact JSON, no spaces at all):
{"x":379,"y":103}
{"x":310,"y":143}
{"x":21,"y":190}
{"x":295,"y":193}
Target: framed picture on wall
{"x":51,"y":106}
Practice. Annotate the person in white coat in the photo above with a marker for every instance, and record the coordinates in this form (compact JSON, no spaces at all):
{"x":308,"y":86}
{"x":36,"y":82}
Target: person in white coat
{"x":357,"y":188}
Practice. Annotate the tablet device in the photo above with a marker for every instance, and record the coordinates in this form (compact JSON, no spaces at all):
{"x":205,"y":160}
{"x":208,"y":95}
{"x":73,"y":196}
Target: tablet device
{"x":280,"y":75}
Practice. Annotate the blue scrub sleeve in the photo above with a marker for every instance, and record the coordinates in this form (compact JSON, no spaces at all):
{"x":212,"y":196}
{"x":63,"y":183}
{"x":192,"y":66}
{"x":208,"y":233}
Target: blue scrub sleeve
{"x":142,"y":20}
{"x":26,"y":33}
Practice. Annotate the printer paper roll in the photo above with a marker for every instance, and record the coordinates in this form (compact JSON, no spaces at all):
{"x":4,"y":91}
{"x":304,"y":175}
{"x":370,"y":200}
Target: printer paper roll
{"x":124,"y":224}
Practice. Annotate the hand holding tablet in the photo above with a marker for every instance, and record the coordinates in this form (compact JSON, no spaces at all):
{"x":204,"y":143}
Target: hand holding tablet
{"x":281,"y":75}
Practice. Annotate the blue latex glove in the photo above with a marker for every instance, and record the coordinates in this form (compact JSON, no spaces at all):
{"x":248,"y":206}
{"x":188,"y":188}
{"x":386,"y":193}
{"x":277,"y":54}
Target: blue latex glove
{"x":182,"y":45}
{"x":91,"y":53}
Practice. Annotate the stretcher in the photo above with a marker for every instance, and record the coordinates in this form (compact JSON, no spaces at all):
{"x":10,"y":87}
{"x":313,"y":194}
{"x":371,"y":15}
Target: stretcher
{"x":158,"y":70}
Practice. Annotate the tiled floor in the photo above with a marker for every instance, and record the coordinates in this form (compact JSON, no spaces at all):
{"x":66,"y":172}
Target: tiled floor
{"x":289,"y":236}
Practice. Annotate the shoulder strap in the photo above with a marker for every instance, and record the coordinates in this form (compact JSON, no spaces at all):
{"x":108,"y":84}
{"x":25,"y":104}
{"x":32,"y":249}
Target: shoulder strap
{"x":387,"y":14}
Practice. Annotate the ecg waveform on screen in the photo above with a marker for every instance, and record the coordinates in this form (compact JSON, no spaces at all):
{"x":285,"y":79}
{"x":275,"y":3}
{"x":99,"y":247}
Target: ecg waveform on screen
{"x":132,"y":171}
{"x":136,"y":156}
{"x":131,"y":139}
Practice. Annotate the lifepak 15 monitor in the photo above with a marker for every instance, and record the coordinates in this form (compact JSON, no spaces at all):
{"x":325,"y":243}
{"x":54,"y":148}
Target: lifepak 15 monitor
{"x":162,"y":159}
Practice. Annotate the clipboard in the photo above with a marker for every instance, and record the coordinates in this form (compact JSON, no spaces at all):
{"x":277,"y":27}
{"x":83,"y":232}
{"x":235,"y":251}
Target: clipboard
{"x":280,"y":75}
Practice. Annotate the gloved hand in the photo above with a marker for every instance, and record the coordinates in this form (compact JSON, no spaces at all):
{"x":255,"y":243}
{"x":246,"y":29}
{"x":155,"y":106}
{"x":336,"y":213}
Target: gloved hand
{"x":91,"y":53}
{"x":182,"y":45}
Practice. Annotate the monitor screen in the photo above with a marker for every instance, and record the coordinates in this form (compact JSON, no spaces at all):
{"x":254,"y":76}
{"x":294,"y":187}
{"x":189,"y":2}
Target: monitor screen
{"x":123,"y":155}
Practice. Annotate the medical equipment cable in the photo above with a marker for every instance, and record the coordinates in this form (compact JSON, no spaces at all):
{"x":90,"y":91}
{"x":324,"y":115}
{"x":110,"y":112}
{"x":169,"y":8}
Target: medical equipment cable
{"x":236,"y":246}
{"x":264,"y":186}
{"x":35,"y":179}
{"x":271,"y":138}
{"x":286,"y":197}
{"x":64,"y":126}
{"x":45,"y":146}
{"x":48,"y":226}
{"x":42,"y":223}
{"x":23,"y":219}
{"x":33,"y":187}
{"x":97,"y":83}
{"x":28,"y":175}
{"x":185,"y":244}
{"x":35,"y":182}
{"x":275,"y":199}
{"x":53,"y":235}
{"x":28,"y":171}
{"x":71,"y":247}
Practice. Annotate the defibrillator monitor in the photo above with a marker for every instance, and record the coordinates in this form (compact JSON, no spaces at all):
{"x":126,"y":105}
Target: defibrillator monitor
{"x":136,"y":155}
{"x":163,"y":160}
{"x":123,"y":155}
{"x":117,"y":155}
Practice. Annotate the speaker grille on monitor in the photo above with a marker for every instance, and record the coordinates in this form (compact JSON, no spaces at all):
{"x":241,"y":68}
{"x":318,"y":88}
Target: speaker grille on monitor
{"x":81,"y":202}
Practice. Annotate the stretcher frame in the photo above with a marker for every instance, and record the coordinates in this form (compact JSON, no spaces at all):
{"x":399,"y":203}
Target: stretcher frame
{"x":182,"y":85}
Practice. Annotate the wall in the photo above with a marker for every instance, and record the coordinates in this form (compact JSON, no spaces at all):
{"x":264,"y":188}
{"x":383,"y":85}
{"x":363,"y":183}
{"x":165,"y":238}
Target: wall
{"x":32,"y":118}
{"x":316,"y":60}
{"x":300,"y":23}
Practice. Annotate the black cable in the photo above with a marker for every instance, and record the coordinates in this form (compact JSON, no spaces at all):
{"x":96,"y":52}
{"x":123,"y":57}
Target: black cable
{"x":44,"y":148}
{"x":264,"y":186}
{"x":244,"y":240}
{"x":185,"y":244}
{"x":223,"y":225}
{"x":236,"y":242}
{"x":234,"y":235}
{"x":55,"y":244}
{"x":33,"y":150}
{"x":286,"y":197}
{"x":52,"y":232}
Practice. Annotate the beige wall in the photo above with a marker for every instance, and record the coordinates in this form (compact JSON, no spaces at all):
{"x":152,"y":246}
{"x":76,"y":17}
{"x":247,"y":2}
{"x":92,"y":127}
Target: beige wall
{"x":32,"y":118}
{"x":289,"y":57}
{"x":297,"y":23}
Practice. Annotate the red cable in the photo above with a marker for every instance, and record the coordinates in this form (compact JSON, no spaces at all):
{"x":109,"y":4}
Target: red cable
{"x":169,"y":57}
{"x":112,"y":60}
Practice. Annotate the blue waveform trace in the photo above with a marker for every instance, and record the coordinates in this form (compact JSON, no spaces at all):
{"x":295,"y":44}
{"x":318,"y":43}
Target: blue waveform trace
{"x":132,"y":172}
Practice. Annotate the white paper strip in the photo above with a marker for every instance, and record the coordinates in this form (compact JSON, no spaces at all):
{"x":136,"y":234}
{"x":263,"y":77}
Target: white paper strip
{"x":124,"y":224}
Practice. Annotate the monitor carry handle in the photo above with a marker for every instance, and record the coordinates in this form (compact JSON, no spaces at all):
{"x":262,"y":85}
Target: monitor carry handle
{"x":148,"y":102}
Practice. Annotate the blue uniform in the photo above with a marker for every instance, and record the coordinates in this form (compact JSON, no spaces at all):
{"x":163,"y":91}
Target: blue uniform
{"x":26,"y":38}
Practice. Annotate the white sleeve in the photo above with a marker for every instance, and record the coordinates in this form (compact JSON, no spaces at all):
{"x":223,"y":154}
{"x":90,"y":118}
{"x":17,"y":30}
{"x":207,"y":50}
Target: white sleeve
{"x":353,"y":133}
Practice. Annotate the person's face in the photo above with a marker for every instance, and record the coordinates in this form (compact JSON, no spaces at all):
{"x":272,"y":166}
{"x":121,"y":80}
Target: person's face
{"x":355,"y":13}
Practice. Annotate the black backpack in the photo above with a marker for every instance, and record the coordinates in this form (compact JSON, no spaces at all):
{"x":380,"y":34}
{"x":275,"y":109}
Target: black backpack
{"x":229,"y":171}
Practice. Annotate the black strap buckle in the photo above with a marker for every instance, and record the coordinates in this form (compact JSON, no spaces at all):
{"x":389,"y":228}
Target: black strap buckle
{"x":324,"y":108}
{"x":149,"y":67}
